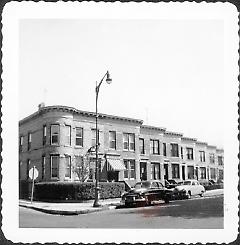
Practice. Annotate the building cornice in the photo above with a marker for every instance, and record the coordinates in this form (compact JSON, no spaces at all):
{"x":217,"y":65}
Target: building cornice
{"x":173,"y":134}
{"x":153,"y":128}
{"x":201,"y":143}
{"x":72,"y":110}
{"x":188,"y":139}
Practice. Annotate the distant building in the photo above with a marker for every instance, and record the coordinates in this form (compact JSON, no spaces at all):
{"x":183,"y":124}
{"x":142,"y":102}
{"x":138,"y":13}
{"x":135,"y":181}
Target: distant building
{"x":54,"y":138}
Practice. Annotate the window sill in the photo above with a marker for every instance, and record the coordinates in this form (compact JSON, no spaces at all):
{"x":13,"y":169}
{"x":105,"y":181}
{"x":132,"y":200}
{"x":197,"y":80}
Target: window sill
{"x":79,"y":146}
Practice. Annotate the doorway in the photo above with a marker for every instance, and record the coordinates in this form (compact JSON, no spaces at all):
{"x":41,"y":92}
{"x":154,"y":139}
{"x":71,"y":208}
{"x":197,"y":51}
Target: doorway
{"x":166,"y":171}
{"x":183,"y":172}
{"x":143,"y":170}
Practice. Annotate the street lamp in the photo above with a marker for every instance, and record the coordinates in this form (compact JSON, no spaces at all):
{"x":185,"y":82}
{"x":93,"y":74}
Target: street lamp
{"x":97,"y":189}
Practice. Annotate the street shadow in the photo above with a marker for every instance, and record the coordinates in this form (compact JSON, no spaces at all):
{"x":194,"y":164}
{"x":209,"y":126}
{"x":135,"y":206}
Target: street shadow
{"x":190,"y":209}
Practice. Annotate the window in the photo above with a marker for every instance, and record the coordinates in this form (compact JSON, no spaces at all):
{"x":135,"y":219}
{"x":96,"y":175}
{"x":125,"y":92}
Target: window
{"x":202,"y":173}
{"x":181,"y":152}
{"x":141,"y":146}
{"x":54,"y":166}
{"x":211,"y":157}
{"x":174,"y":150}
{"x":128,"y":142}
{"x":220,"y":160}
{"x":202,"y":156}
{"x":164,"y":149}
{"x":189,"y":153}
{"x":175,"y":171}
{"x":154,"y":147}
{"x":79,"y":136}
{"x":27,"y":168}
{"x":29,"y":141}
{"x":94,"y":137}
{"x":44,"y":134}
{"x":130,"y":171}
{"x":43,"y":166}
{"x":20,"y":143}
{"x":68,"y":135}
{"x":112,"y":140}
{"x":54,"y":134}
{"x":68,"y":167}
{"x":220,"y":174}
{"x":155,"y":171}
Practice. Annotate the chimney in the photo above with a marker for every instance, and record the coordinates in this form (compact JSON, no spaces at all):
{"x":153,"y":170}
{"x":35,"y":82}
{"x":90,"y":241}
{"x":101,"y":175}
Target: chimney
{"x":41,"y":105}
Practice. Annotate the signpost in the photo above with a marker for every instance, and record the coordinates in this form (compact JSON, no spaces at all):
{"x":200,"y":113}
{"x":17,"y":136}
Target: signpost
{"x":33,"y":174}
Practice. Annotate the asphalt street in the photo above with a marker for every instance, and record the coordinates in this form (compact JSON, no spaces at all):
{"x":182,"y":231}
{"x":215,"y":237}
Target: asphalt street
{"x":199,"y":213}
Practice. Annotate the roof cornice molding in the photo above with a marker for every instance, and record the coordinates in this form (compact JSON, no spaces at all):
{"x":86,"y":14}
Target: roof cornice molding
{"x":173,"y":133}
{"x":79,"y":112}
{"x":153,"y":128}
{"x":189,"y":139}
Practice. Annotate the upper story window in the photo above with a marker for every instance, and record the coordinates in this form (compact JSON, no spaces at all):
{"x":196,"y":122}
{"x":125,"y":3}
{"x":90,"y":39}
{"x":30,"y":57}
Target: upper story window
{"x":94,"y":137}
{"x":20,"y":143}
{"x":79,"y":136}
{"x":165,"y":149}
{"x":29,"y":141}
{"x":68,"y":135}
{"x":54,"y":134}
{"x":202,"y":156}
{"x":189,"y":153}
{"x":112,"y":140}
{"x":174,"y":150}
{"x":141,"y":146}
{"x":220,"y":160}
{"x":154,"y":147}
{"x":128,"y":142}
{"x":44,"y":134}
{"x":212,"y":157}
{"x":54,"y":162}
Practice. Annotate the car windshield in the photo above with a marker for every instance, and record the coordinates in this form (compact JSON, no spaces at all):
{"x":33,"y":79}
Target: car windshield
{"x":187,"y":182}
{"x":171,"y":181}
{"x":142,"y":185}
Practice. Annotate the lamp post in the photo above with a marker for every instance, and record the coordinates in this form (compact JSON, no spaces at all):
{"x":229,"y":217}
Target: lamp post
{"x":97,"y":189}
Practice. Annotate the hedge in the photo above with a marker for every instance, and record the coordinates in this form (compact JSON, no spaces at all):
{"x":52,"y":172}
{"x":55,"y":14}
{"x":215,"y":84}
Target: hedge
{"x":213,"y":187}
{"x":76,"y":191}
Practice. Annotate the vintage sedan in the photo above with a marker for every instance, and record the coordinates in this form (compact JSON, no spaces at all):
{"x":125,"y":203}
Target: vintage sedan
{"x":145,"y":192}
{"x":189,"y":188}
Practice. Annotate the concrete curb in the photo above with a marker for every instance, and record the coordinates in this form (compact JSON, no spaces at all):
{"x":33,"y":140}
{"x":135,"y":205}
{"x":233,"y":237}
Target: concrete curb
{"x":69,"y":212}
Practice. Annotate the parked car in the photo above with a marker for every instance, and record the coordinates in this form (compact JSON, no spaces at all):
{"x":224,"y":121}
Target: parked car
{"x":144,"y":192}
{"x":172,"y":183}
{"x":212,"y":182}
{"x":187,"y":189}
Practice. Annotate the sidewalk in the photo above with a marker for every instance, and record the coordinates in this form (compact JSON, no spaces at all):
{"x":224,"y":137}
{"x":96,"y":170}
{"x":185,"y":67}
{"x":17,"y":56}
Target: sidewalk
{"x":84,"y":207}
{"x":70,"y":208}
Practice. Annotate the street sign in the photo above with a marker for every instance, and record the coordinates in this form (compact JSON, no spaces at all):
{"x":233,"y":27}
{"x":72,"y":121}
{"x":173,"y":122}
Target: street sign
{"x":33,"y":173}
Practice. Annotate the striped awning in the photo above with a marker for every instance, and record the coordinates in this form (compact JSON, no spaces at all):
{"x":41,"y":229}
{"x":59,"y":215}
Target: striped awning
{"x":115,"y":164}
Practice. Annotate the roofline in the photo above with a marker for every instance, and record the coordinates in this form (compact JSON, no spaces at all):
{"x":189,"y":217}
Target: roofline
{"x":153,"y":128}
{"x":189,"y":139}
{"x":201,"y":143}
{"x":173,"y":133}
{"x":76,"y":111}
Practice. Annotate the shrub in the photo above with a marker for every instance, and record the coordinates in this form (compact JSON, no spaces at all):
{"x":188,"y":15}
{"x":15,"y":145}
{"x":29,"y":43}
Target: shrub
{"x":76,"y":191}
{"x":213,"y":187}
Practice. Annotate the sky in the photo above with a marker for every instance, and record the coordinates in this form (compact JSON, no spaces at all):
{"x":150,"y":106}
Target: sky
{"x":169,"y":73}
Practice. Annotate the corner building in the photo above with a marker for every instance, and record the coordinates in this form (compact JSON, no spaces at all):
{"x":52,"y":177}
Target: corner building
{"x":55,"y":138}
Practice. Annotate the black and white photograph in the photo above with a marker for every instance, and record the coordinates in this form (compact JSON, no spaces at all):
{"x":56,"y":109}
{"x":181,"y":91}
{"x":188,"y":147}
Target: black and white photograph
{"x":120,"y":122}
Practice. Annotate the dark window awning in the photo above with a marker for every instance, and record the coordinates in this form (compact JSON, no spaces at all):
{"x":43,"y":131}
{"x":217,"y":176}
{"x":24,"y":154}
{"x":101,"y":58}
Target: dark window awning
{"x":115,"y":165}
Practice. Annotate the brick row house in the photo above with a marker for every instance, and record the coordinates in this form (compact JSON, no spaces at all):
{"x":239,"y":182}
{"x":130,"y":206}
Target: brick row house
{"x":54,"y":138}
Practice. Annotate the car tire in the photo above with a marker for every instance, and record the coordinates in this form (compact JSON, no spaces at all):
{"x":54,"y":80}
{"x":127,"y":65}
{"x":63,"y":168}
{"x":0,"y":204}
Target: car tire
{"x":148,"y":201}
{"x":188,"y":195}
{"x":201,"y":195}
